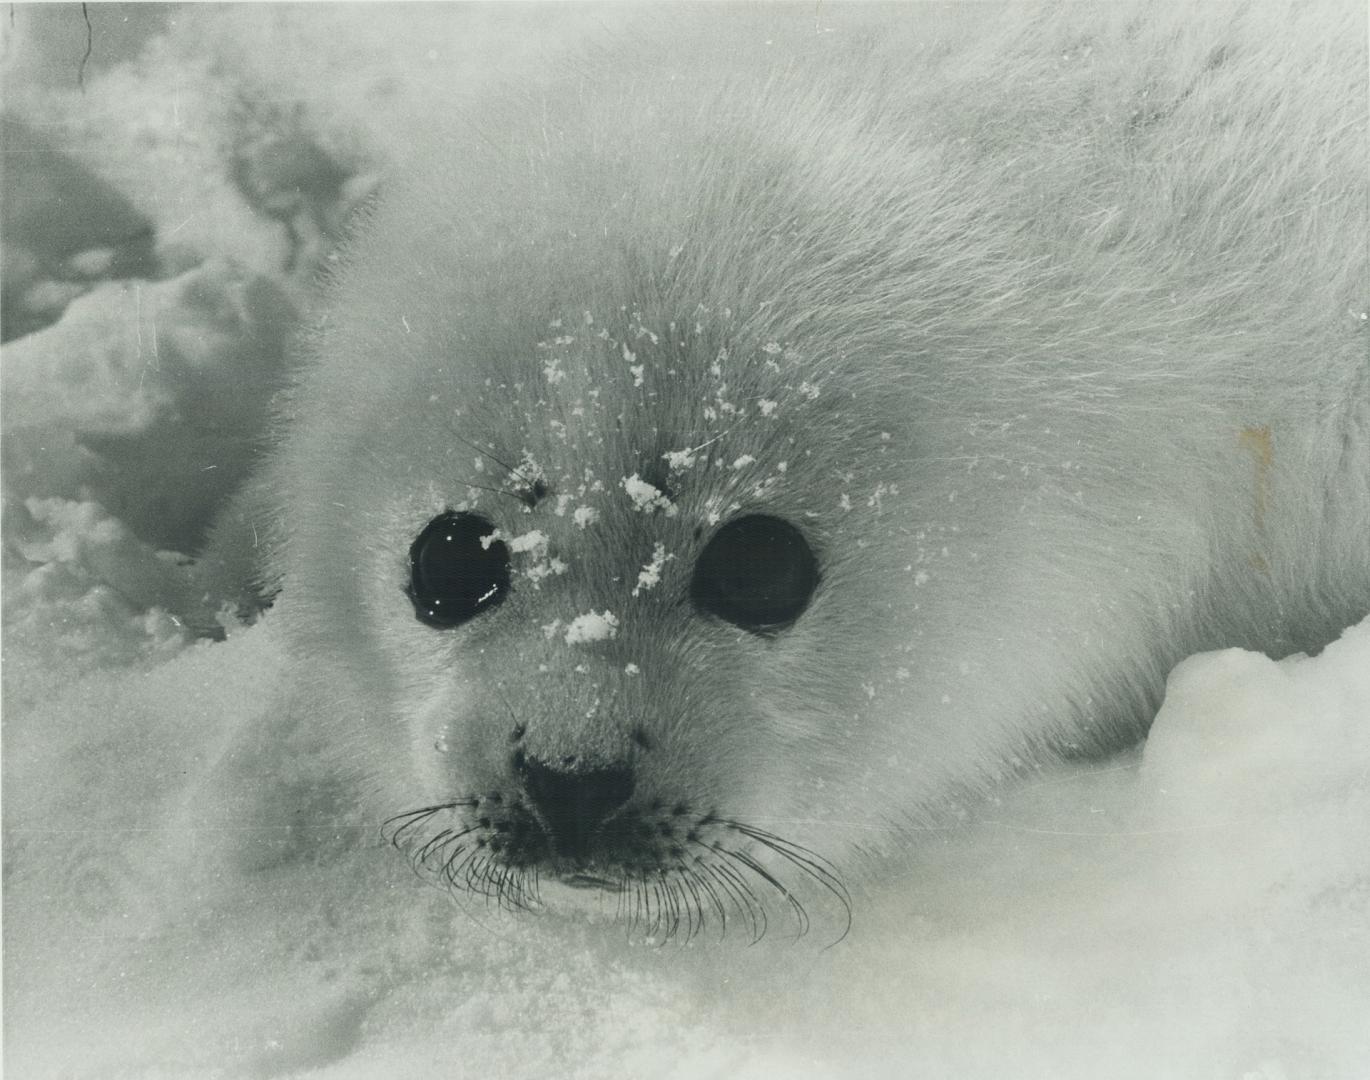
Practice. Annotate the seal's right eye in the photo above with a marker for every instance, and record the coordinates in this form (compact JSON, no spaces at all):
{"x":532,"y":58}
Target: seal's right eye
{"x":457,"y":569}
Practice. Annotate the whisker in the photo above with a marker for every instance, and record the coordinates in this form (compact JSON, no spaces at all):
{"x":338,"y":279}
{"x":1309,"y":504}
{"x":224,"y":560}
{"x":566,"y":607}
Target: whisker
{"x":745,"y":899}
{"x":488,"y":454}
{"x":636,"y":918}
{"x":696,"y":907}
{"x":410,"y":819}
{"x":801,"y":916}
{"x":807,"y":856}
{"x":812,"y":864}
{"x":490,"y":879}
{"x":472,"y":867}
{"x":420,"y":815}
{"x":414,"y":819}
{"x":437,"y":841}
{"x":511,"y":888}
{"x":712,"y":893}
{"x":490,"y":873}
{"x":493,"y":490}
{"x":660,"y":909}
{"x":451,"y":867}
{"x":526,"y":898}
{"x":673,"y":905}
{"x":807,"y":861}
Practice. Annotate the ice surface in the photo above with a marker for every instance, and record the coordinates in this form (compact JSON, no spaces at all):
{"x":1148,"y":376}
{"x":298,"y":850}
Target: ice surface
{"x":1198,"y":909}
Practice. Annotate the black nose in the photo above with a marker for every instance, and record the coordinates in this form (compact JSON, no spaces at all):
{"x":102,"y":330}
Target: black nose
{"x":572,"y":802}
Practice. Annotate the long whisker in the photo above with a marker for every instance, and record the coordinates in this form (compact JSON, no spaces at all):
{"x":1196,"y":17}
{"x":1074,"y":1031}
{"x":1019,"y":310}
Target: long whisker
{"x":414,"y":818}
{"x":638,"y":900}
{"x":536,"y":886}
{"x":411,"y":818}
{"x":809,"y":862}
{"x":451,"y":868}
{"x":801,"y":916}
{"x":660,"y":908}
{"x":472,"y":869}
{"x":808,"y":855}
{"x":696,"y":908}
{"x":511,"y":889}
{"x":673,"y":903}
{"x":487,"y":454}
{"x":747,"y":900}
{"x":436,"y":842}
{"x":712,"y":893}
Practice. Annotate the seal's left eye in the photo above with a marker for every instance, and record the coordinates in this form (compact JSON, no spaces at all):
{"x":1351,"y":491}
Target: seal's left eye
{"x":456,"y":569}
{"x":758,"y":572}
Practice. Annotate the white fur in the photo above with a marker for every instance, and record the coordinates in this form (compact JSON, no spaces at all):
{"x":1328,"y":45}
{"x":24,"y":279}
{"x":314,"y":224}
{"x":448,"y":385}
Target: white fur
{"x":1048,"y":328}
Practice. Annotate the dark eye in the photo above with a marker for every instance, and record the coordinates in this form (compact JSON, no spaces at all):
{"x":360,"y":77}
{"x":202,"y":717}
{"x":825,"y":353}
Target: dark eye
{"x":453,"y":576}
{"x":757,"y":572}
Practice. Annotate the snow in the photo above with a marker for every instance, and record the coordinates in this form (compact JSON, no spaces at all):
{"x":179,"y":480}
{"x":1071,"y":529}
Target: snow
{"x":534,"y":545}
{"x":650,"y":575}
{"x":1197,"y":908}
{"x":1200,"y":909}
{"x":592,"y":626}
{"x":165,"y":376}
{"x":645,"y":497}
{"x":680,"y":460}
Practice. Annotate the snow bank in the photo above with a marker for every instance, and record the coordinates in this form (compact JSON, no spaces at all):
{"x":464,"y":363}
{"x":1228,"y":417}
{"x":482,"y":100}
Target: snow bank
{"x":166,"y":379}
{"x":1200,"y":910}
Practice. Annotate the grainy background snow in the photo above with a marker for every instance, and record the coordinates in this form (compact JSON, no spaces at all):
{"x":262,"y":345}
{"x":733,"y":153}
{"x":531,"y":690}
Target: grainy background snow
{"x":1200,"y":908}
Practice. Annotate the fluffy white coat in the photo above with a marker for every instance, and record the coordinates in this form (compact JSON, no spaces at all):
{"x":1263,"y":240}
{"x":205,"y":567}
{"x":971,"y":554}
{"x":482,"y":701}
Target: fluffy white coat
{"x":1048,"y":328}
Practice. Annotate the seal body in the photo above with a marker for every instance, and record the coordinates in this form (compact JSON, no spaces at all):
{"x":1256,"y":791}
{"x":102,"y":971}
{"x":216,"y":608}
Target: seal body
{"x":1030,"y":350}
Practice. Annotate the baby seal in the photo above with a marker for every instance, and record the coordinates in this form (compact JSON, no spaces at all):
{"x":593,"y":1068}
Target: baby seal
{"x":721,"y":452}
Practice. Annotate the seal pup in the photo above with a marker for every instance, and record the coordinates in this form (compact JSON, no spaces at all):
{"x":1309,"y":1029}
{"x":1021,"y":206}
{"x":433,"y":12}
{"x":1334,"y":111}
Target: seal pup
{"x":723,"y":450}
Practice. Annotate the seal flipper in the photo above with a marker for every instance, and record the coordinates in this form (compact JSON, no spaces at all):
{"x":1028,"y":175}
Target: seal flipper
{"x":264,"y":799}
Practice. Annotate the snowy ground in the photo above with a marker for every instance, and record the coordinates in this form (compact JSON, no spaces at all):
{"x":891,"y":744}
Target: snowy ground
{"x":1198,"y":909}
